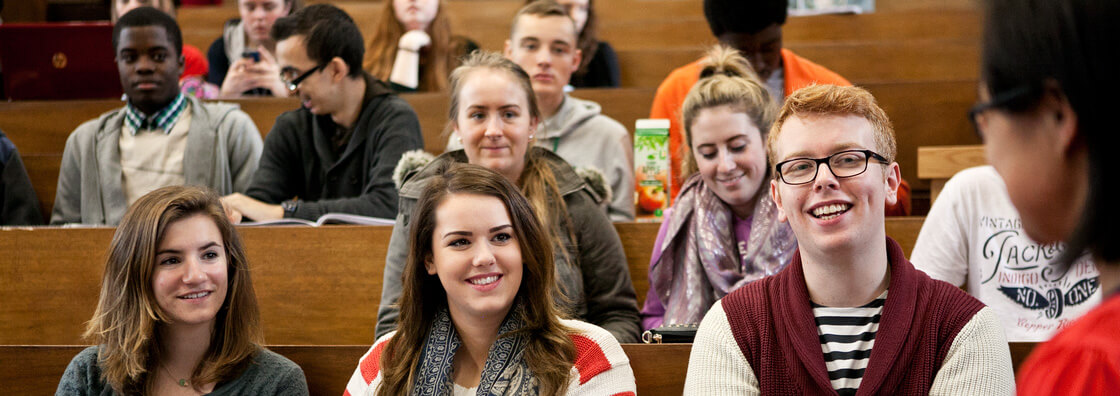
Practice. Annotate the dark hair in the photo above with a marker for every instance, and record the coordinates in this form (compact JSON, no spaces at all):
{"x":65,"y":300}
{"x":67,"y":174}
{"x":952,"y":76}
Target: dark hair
{"x":549,"y":353}
{"x":148,"y":16}
{"x":328,"y":33}
{"x":1068,"y":45}
{"x":743,"y":16}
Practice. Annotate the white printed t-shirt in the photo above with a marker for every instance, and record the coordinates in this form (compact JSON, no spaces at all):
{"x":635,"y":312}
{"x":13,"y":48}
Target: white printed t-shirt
{"x":974,"y":234}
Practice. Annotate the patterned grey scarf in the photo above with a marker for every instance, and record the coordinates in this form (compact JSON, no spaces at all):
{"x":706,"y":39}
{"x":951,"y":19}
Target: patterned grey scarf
{"x":700,"y":258}
{"x":505,"y":371}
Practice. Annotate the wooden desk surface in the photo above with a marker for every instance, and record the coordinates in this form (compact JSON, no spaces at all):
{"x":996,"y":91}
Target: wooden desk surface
{"x":315,"y":286}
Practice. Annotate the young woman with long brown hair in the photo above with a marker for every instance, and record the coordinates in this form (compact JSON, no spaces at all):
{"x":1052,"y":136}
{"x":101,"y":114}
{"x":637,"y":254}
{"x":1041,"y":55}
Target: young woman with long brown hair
{"x":177,"y":313}
{"x":413,"y":48}
{"x":494,"y":112}
{"x":477,"y":315}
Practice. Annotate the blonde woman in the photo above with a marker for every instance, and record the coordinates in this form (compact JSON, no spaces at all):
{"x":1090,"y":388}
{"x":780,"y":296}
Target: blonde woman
{"x":723,"y":230}
{"x":177,"y":313}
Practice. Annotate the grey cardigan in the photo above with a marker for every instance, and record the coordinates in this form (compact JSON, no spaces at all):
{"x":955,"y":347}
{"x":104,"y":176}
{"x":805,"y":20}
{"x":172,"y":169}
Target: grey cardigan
{"x":597,"y":282}
{"x":268,"y":374}
{"x":223,"y":148}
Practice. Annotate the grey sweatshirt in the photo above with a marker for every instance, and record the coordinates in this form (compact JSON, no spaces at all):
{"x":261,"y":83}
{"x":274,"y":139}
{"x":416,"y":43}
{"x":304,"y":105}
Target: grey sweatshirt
{"x":268,"y":374}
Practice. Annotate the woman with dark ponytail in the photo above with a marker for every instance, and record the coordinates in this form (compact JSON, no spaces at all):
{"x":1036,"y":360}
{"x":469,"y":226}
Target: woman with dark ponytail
{"x":1047,"y":94}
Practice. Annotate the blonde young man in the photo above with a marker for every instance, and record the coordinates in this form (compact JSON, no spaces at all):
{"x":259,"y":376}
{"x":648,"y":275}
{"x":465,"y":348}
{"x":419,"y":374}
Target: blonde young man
{"x":849,"y":313}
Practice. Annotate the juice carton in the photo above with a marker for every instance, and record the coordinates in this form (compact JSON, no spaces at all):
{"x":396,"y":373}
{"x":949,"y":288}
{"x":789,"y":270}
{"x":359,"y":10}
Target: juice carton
{"x":651,"y":167}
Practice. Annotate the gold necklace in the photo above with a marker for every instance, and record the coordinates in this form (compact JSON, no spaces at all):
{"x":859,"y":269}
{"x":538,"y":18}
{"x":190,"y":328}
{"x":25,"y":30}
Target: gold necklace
{"x":181,"y":381}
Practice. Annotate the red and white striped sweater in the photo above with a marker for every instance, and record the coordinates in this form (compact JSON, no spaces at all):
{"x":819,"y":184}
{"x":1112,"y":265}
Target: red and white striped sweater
{"x":601,"y":367}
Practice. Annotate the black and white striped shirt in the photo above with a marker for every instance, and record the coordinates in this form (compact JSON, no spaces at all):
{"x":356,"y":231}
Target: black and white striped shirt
{"x":846,"y":336}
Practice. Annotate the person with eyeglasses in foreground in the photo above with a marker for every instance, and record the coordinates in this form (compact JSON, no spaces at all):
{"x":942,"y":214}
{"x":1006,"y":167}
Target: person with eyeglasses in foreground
{"x":1047,"y":99}
{"x":160,"y":138}
{"x":849,"y":290}
{"x":337,"y":152}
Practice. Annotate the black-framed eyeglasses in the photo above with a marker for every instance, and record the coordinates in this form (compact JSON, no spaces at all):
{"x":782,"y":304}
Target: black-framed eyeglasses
{"x":293,"y":82}
{"x":999,"y":101}
{"x":843,"y":164}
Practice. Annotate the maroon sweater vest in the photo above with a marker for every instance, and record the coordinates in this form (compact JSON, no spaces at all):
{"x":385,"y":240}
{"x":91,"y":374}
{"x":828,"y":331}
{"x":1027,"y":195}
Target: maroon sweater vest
{"x":773,"y":323}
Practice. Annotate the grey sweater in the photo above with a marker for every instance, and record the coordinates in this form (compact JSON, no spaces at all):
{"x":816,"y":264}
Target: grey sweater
{"x":596,"y":281}
{"x":223,"y":147}
{"x":268,"y":374}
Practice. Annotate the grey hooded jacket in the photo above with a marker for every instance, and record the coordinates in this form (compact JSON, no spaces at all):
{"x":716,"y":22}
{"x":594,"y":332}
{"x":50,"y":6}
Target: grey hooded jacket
{"x":223,"y":148}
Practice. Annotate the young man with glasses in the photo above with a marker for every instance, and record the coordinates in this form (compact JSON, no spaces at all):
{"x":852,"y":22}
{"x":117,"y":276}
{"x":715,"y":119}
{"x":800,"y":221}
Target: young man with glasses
{"x":338,"y":151}
{"x":849,"y":313}
{"x":160,"y":138}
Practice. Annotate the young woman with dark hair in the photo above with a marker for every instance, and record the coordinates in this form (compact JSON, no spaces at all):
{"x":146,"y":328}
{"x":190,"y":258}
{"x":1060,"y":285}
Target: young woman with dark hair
{"x":477,"y":315}
{"x":1046,"y":97}
{"x":494,"y":112}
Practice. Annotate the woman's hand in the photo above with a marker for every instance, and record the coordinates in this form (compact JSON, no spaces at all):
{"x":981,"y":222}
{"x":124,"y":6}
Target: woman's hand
{"x":271,"y":71}
{"x":414,"y":40}
{"x":406,"y":66}
{"x":246,"y":74}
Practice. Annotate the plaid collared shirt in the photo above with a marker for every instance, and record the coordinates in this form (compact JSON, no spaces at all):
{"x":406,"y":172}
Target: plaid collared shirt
{"x":163,"y":120}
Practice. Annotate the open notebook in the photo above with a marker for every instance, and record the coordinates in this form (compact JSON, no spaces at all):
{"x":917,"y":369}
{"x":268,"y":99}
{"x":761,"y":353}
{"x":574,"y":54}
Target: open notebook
{"x":329,"y":218}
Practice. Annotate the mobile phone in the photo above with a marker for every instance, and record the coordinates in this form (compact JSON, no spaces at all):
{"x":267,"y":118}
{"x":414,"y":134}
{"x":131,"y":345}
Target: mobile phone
{"x":255,"y":55}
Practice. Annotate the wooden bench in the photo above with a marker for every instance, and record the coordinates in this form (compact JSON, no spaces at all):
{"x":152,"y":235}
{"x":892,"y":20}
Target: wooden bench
{"x":658,"y":369}
{"x":326,"y":279}
{"x":923,"y":113}
{"x":658,"y":24}
{"x":939,"y":163}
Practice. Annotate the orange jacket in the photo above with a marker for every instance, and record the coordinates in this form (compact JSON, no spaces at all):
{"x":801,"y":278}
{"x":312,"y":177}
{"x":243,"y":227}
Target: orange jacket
{"x":799,"y":73}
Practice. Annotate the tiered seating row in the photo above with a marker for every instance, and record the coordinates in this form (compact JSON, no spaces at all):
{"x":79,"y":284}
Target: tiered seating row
{"x":924,"y":45}
{"x":924,"y":114}
{"x":315,"y":285}
{"x":658,"y":369}
{"x":318,"y":299}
